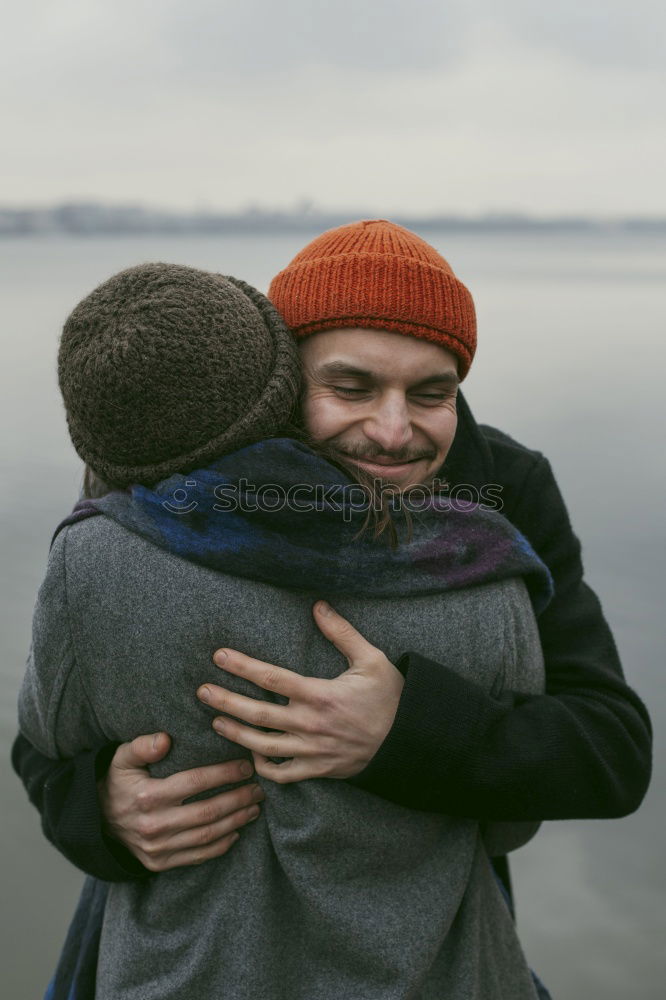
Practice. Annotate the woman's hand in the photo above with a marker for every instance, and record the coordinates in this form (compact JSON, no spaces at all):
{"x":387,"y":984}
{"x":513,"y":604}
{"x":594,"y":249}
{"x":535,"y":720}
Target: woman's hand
{"x":330,"y":728}
{"x":147,"y":814}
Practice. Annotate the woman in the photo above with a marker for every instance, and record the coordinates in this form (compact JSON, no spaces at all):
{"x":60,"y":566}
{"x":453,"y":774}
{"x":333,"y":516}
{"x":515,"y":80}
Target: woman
{"x":164,"y":370}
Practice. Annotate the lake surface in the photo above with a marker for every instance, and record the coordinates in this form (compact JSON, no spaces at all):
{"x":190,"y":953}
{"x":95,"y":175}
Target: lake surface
{"x":572,"y":361}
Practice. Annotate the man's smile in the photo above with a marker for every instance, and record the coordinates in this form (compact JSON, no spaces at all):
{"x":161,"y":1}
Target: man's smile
{"x":382,"y":463}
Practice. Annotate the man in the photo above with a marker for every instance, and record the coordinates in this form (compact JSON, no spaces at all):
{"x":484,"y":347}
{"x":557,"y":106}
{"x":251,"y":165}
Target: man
{"x":439,"y":743}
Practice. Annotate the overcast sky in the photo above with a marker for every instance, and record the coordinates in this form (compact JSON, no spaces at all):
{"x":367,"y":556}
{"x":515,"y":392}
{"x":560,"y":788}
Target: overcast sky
{"x":417,"y":106}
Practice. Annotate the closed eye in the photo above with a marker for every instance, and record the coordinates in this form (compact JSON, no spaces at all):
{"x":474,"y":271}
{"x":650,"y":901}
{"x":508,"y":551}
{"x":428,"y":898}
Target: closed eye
{"x":349,"y":391}
{"x":425,"y":397}
{"x":434,"y":397}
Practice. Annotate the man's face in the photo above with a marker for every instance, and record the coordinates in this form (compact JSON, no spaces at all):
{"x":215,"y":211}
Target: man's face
{"x":386,"y":400}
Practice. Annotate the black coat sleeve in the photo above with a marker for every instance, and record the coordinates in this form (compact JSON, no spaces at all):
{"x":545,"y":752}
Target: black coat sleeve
{"x":581,"y":750}
{"x":65,"y":793}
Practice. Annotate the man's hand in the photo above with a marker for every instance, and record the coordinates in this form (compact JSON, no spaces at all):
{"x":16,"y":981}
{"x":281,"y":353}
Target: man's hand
{"x":330,"y":728}
{"x":147,"y":815}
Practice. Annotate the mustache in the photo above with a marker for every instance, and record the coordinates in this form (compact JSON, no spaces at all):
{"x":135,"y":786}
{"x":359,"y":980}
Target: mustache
{"x":367,"y":452}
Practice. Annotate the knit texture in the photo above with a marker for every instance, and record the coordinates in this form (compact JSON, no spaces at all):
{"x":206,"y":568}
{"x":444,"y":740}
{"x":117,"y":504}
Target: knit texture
{"x":156,"y":365}
{"x":377,"y":275}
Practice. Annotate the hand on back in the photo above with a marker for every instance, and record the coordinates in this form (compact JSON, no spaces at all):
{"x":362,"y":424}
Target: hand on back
{"x":147,"y":814}
{"x":329,"y":729}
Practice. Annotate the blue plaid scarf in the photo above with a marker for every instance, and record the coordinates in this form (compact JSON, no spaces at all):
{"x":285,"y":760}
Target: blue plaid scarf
{"x":278,"y":512}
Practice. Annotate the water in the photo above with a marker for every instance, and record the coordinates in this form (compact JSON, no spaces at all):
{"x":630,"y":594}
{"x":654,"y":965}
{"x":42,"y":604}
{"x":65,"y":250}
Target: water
{"x":571,"y":360}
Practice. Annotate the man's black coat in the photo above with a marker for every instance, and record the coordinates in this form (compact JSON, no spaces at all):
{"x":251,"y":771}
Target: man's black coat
{"x":581,"y":750}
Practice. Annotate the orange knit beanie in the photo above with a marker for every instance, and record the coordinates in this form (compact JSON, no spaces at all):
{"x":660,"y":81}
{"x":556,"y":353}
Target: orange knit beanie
{"x":377,"y":274}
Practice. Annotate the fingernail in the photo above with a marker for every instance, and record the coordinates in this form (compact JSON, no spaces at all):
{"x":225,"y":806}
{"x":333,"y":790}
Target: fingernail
{"x":204,"y":694}
{"x":253,"y":812}
{"x":218,"y":725}
{"x":246,"y":769}
{"x":155,"y":739}
{"x":219,"y":657}
{"x":324,"y":608}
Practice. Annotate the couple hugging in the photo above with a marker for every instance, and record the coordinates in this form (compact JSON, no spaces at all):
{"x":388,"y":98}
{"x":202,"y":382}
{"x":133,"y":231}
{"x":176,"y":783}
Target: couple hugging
{"x":408,"y":689}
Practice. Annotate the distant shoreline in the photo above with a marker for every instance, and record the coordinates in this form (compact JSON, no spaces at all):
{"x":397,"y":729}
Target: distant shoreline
{"x":96,"y":219}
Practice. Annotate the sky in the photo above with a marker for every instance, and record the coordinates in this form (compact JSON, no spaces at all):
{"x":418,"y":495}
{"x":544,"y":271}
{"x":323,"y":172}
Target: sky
{"x":420,"y":106}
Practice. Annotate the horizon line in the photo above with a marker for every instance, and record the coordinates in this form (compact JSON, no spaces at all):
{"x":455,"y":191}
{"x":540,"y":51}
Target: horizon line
{"x":94,"y":216}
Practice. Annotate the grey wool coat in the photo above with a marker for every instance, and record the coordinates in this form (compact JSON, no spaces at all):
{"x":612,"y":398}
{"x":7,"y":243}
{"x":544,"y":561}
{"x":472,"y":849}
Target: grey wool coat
{"x":333,"y":892}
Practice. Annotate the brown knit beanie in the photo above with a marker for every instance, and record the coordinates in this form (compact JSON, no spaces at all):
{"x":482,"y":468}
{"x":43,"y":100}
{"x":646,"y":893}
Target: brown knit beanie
{"x":163,"y":368}
{"x":377,"y":274}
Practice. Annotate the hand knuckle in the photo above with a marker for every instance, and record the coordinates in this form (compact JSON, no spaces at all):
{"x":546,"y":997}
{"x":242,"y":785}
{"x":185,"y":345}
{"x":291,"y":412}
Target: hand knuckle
{"x":323,"y":702}
{"x":208,"y":813}
{"x":153,"y":851}
{"x":145,"y":800}
{"x":197,"y":779}
{"x":310,"y":724}
{"x":205,"y":835}
{"x":147,"y":827}
{"x":261,"y":717}
{"x":270,"y":678}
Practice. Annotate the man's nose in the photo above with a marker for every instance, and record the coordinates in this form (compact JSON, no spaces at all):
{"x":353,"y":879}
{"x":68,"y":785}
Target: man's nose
{"x":389,"y":426}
